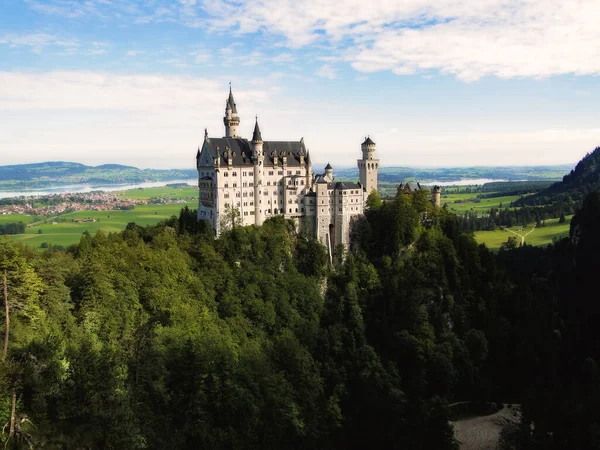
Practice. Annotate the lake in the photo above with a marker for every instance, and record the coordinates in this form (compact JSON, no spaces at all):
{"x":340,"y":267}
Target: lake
{"x":82,"y":188}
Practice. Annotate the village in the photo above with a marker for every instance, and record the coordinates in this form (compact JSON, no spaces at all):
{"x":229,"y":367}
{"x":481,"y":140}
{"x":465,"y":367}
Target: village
{"x":56,"y":204}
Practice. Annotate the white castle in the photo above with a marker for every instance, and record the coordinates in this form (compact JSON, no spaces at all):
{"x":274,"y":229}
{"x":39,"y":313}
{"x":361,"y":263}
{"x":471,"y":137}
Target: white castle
{"x":250,"y":181}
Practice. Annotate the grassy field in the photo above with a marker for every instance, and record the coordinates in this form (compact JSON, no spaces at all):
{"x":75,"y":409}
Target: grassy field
{"x":14,"y":218}
{"x":471,"y":203}
{"x":188,"y":192}
{"x":63,"y":231}
{"x":539,"y":236}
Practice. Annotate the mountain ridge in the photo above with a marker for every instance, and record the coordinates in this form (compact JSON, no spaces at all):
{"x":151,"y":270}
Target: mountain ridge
{"x":53,"y":173}
{"x":575,"y":185}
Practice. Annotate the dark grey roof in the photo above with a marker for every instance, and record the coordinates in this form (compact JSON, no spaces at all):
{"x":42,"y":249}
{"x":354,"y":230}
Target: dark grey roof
{"x":308,"y":161}
{"x":231,"y":102}
{"x":343,"y":185}
{"x":368,"y":141}
{"x":328,"y":167}
{"x":256,"y":137}
{"x":242,"y":151}
{"x":409,"y":187}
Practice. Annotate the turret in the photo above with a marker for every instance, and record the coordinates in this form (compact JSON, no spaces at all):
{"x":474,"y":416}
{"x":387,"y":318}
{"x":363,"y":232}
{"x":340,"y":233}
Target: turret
{"x":257,"y":160}
{"x":368,"y":166}
{"x":308,"y":170}
{"x":231,"y":119}
{"x":436,"y":196}
{"x":329,"y":171}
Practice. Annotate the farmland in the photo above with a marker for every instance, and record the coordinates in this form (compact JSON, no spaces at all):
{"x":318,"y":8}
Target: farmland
{"x":539,"y":236}
{"x":462,"y":202}
{"x":64,"y":230}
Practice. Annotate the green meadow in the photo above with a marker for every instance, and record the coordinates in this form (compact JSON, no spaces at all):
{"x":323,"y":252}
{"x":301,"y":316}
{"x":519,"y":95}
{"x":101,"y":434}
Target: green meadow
{"x":539,"y":236}
{"x":470,"y":202}
{"x":61,"y":230}
{"x":14,"y":218}
{"x":187,"y":192}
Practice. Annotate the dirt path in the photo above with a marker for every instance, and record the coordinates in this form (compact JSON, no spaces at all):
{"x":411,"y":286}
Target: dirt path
{"x":483,"y":432}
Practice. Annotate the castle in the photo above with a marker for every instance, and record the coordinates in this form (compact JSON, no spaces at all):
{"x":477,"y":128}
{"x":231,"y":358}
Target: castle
{"x":246,"y":182}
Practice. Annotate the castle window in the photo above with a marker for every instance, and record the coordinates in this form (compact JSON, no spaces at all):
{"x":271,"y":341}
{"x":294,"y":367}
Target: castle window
{"x":226,"y":174}
{"x":270,"y":172}
{"x":274,"y":202}
{"x":234,"y":184}
{"x":290,"y":209}
{"x":302,"y":209}
{"x":251,"y":184}
{"x":296,"y":209}
{"x":245,"y":194}
{"x":245,"y":213}
{"x":226,"y":185}
{"x":234,"y":174}
{"x":251,"y":203}
{"x":226,"y":195}
{"x":280,"y":172}
{"x":237,"y":194}
{"x":289,"y":172}
{"x":268,"y":183}
{"x":251,"y":213}
{"x":297,"y":172}
{"x":244,"y":173}
{"x":245,"y":184}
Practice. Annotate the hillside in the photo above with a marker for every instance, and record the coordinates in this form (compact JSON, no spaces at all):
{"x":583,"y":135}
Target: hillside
{"x":585,"y":178}
{"x":48,"y":174}
{"x":450,"y":174}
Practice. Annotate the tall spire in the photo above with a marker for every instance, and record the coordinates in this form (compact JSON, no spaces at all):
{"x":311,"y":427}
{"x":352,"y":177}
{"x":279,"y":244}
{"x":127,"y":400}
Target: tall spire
{"x":231,"y":101}
{"x":256,"y":137}
{"x":231,"y":119}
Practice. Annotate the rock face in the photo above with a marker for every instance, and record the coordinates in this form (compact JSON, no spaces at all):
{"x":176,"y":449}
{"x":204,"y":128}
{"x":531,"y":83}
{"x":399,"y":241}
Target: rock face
{"x":483,"y":432}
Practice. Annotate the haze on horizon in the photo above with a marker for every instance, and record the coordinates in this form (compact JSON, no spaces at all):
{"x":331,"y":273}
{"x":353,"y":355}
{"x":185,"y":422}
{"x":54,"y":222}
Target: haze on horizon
{"x":436,"y":84}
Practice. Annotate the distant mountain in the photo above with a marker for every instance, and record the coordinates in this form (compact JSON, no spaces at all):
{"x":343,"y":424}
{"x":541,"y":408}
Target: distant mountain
{"x":585,"y":178}
{"x":56,"y":173}
{"x":449,"y":174}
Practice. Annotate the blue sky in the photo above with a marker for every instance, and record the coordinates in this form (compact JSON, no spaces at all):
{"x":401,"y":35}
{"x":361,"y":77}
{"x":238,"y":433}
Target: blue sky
{"x":444,"y":83}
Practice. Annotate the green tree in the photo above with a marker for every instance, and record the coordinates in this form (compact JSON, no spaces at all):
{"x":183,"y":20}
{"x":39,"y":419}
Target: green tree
{"x":374,"y":200}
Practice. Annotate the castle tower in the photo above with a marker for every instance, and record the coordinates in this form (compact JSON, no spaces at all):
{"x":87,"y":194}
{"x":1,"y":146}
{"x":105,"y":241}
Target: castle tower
{"x":329,"y":172}
{"x":308,"y":170}
{"x":257,"y":159}
{"x":368,"y":166}
{"x":231,"y":119}
{"x":436,"y":196}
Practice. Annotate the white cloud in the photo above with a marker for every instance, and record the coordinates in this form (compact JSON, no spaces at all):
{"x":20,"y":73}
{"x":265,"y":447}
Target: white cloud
{"x":469,"y":39}
{"x":36,"y":41}
{"x":326,"y":71}
{"x":143,"y":120}
{"x":283,"y":58}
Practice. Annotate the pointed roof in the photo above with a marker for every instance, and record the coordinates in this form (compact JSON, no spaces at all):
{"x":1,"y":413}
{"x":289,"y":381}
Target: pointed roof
{"x":368,"y":141}
{"x":308,"y":161}
{"x":328,"y":167}
{"x":231,"y":102}
{"x":256,"y":137}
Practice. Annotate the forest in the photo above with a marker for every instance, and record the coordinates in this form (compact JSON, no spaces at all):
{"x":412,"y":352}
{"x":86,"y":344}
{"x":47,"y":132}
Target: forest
{"x":167,"y":337}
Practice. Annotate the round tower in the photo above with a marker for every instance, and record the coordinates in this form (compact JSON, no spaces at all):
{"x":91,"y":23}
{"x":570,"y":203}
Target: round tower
{"x":436,"y":196}
{"x":257,"y":159}
{"x":368,"y":166}
{"x":329,"y":171}
{"x":231,"y":120}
